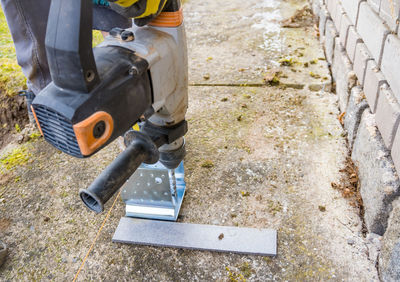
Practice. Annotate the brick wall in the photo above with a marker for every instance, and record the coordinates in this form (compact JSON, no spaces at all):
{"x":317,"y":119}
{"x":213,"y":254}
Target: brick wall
{"x":361,"y":39}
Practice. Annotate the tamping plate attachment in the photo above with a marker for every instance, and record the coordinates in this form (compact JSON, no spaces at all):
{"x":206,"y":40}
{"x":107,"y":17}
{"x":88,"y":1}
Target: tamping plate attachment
{"x":154,"y":192}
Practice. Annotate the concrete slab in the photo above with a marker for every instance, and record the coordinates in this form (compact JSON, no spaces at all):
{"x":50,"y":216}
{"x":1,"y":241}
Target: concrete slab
{"x":235,"y":57}
{"x":232,"y":57}
{"x":274,"y":155}
{"x":257,"y":157}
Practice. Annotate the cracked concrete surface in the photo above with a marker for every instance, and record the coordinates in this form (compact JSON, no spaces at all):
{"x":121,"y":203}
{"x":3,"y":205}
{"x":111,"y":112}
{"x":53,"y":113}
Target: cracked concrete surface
{"x":280,"y":147}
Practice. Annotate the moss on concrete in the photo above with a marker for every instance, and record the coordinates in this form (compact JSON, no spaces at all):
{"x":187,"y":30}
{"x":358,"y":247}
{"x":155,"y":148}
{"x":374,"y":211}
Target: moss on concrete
{"x":17,"y":157}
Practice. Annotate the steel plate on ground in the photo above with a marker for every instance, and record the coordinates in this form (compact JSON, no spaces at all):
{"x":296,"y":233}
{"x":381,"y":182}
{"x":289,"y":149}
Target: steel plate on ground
{"x":197,"y":236}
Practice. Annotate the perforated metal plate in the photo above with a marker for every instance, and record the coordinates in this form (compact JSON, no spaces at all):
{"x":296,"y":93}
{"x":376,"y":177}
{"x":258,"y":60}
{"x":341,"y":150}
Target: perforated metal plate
{"x":196,"y":236}
{"x":148,"y":185}
{"x":154,"y":192}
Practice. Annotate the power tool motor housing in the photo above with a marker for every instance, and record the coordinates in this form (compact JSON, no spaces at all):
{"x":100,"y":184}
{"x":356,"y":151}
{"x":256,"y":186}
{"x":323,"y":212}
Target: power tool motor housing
{"x":80,"y":124}
{"x":98,"y":95}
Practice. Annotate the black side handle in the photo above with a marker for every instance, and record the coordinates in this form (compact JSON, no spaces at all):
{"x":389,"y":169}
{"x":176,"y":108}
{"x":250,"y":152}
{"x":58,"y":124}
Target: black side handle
{"x":141,"y":149}
{"x":69,"y":45}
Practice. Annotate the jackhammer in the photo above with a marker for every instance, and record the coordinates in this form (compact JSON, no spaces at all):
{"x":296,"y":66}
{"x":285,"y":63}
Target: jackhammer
{"x":135,"y":75}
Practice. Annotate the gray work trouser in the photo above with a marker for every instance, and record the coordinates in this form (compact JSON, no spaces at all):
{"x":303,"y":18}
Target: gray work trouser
{"x":27,"y":20}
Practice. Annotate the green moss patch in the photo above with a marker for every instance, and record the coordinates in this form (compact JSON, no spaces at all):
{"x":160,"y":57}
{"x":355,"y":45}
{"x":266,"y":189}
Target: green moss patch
{"x":17,"y":157}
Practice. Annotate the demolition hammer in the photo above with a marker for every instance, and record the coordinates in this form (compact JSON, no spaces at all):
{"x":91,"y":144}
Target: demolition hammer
{"x":96,"y":95}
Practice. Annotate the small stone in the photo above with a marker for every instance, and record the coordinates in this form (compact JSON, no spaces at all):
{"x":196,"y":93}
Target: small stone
{"x":221,"y":236}
{"x":351,"y":241}
{"x":20,"y":138}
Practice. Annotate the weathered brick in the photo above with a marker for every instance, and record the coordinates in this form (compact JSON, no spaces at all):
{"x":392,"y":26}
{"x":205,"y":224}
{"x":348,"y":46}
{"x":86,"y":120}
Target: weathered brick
{"x":323,"y":17}
{"x":391,"y":62}
{"x":396,"y":150}
{"x":387,"y":115}
{"x":337,"y":20}
{"x":332,"y":5}
{"x":356,"y":106}
{"x":390,"y":12}
{"x":372,"y":29}
{"x":361,"y":58}
{"x":338,"y":50}
{"x":330,"y":35}
{"x":343,"y":75}
{"x":352,"y":39}
{"x":344,"y":28}
{"x":375,"y":4}
{"x":379,"y":182}
{"x":351,"y":8}
{"x":373,"y":81}
{"x":389,"y":258}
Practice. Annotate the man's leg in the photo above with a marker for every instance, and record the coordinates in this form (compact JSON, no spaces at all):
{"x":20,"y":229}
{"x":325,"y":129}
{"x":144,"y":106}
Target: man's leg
{"x":27,"y":21}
